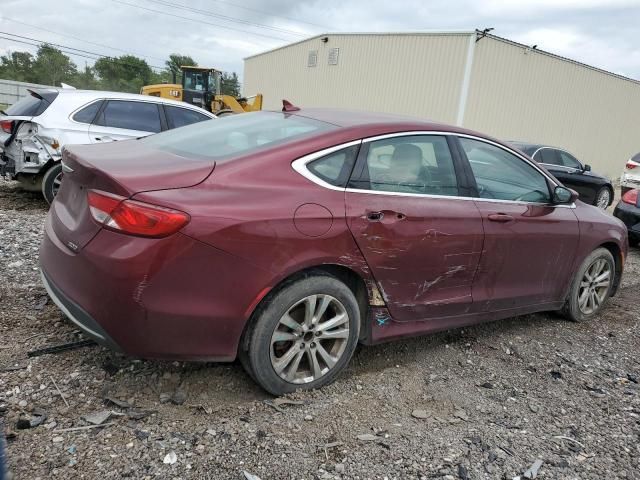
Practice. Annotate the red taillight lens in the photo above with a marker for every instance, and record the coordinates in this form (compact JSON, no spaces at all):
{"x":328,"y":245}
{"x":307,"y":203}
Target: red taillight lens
{"x":631,"y":197}
{"x":134,"y":218}
{"x":6,"y":126}
{"x":631,"y":164}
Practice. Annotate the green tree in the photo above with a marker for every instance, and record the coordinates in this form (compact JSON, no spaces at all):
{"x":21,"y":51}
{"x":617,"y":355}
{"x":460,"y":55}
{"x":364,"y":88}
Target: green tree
{"x":17,"y":66}
{"x":51,"y":67}
{"x":230,"y":84}
{"x":86,"y":79}
{"x":174,"y":63}
{"x":126,"y":73}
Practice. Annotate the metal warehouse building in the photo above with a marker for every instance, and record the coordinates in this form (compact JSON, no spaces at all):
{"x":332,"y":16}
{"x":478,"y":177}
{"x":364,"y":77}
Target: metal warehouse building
{"x":479,"y":81}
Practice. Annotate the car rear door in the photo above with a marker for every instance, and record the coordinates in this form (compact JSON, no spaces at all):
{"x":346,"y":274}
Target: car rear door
{"x":420,"y":236}
{"x":125,"y":119}
{"x":529,"y":243}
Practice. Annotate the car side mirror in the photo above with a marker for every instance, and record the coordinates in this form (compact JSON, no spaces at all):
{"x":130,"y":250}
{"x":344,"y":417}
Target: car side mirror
{"x":562,"y":195}
{"x":587,"y":168}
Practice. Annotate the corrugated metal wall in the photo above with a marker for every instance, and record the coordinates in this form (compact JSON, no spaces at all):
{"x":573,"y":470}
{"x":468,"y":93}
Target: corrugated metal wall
{"x":514,"y":93}
{"x":412,"y":74}
{"x":12,"y":91}
{"x":521,"y":94}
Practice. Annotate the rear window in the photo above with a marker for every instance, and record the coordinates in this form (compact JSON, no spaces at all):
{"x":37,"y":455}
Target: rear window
{"x":236,"y":135}
{"x":30,"y":106}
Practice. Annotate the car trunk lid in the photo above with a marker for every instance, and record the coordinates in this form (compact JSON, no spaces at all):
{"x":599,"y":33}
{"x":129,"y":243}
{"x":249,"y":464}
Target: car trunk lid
{"x":123,"y":168}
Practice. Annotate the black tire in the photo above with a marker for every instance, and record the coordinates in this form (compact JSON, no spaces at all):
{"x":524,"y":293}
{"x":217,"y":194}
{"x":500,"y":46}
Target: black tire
{"x":51,"y":182}
{"x":257,"y":359}
{"x":571,"y":309}
{"x":604,"y":191}
{"x":634,"y":241}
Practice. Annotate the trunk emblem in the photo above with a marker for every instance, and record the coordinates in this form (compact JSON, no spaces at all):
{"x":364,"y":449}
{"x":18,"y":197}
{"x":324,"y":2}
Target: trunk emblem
{"x":66,"y":168}
{"x":72,"y":246}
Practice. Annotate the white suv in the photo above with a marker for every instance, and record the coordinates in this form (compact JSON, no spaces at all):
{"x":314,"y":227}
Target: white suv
{"x":630,"y":178}
{"x":34,"y":129}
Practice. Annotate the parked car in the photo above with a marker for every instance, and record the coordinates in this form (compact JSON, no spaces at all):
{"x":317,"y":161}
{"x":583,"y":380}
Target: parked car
{"x":628,"y":210}
{"x":35,"y":129}
{"x":593,"y":188}
{"x":630,"y":178}
{"x":285,"y":238}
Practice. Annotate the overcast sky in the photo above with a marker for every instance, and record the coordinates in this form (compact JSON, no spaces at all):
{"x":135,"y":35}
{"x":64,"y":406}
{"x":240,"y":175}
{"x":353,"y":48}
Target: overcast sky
{"x":603,"y":33}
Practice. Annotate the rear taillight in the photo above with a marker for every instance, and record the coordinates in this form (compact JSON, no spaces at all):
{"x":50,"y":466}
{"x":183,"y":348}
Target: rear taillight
{"x":631,"y":197}
{"x":6,"y":126}
{"x":132,"y":217}
{"x":632,"y":164}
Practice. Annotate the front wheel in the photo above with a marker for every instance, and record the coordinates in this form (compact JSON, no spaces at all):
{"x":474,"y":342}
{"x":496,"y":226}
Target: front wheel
{"x":51,"y":182}
{"x":304,"y":336}
{"x":603,"y":198}
{"x":591,"y":286}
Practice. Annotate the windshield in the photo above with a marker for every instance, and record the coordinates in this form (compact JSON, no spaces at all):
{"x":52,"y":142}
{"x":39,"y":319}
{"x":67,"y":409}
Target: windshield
{"x":196,"y":80}
{"x":225,"y":138}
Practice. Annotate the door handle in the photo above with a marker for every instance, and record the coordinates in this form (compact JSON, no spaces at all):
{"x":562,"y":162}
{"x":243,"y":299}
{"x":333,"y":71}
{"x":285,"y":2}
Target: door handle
{"x":375,"y":216}
{"x":106,"y":138}
{"x":500,"y":217}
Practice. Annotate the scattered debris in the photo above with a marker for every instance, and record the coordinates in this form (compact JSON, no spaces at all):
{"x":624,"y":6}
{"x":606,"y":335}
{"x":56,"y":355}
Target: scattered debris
{"x":568,"y":439}
{"x":486,"y":385}
{"x":38,"y":417}
{"x":555,"y":374}
{"x":278,"y":402}
{"x":116,"y":401}
{"x":422,"y":414}
{"x":59,"y":392}
{"x":368,"y":437}
{"x":178,"y":397}
{"x":65,"y":347}
{"x":170,"y":458}
{"x":532,"y":472}
{"x":462,"y":472}
{"x":250,"y":476}
{"x":97,"y":418}
{"x":86,"y":427}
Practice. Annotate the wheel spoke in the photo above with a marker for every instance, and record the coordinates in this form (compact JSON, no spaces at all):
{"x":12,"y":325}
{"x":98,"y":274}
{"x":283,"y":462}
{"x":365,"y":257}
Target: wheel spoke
{"x":602,"y":276}
{"x":341,"y":333}
{"x":339,"y":319}
{"x":280,"y":336}
{"x":288,"y":321}
{"x":328,"y":359}
{"x":293,"y":368}
{"x":583,"y":299}
{"x":324,"y":303}
{"x":282,"y":362}
{"x":309,"y":310}
{"x":313,"y":361}
{"x":596,"y":300}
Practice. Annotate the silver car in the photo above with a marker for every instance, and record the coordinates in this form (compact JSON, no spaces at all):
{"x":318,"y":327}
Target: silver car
{"x":34,"y":129}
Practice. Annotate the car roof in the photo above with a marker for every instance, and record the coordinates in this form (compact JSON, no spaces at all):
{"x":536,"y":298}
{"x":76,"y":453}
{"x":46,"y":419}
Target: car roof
{"x":88,"y":95}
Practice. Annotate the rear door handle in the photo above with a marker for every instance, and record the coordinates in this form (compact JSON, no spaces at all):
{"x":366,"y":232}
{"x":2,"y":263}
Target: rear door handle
{"x":106,"y":138}
{"x":500,"y":217}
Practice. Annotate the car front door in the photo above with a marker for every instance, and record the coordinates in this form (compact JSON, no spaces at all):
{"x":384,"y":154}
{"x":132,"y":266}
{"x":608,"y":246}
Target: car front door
{"x":566,"y":169}
{"x":420,"y":237}
{"x":529,"y":243}
{"x":125,"y":119}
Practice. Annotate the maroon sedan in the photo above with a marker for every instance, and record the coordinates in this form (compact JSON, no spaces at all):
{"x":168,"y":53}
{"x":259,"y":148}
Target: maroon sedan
{"x":285,"y":238}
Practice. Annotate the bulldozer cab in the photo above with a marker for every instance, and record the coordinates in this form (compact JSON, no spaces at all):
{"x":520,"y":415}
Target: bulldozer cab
{"x":200,"y":85}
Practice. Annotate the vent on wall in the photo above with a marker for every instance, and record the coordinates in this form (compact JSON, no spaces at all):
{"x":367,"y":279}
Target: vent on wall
{"x":313,"y":58}
{"x":333,"y":56}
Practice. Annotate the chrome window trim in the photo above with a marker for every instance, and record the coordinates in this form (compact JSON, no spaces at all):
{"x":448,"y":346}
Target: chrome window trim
{"x":72,"y":114}
{"x":299,"y":165}
{"x":561,"y":166}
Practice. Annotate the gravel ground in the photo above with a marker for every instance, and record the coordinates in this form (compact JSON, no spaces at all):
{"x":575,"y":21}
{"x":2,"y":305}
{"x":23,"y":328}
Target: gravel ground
{"x":483,"y":402}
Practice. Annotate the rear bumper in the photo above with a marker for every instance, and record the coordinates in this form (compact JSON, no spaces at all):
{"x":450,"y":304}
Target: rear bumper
{"x":171,"y":298}
{"x":77,"y":315}
{"x":630,"y":216}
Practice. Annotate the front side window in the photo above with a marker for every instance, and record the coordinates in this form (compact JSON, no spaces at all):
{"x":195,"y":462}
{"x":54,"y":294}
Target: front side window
{"x":335,"y":167}
{"x":420,"y":164}
{"x":501,"y":175}
{"x":569,"y":160}
{"x":179,"y":117}
{"x":141,"y":116}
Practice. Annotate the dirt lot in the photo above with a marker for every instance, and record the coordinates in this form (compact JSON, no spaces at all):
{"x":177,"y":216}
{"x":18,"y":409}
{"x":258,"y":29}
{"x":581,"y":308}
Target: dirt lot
{"x":483,"y":402}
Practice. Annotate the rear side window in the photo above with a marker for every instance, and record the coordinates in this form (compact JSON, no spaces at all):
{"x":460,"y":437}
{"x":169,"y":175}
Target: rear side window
{"x":88,"y":113}
{"x":141,"y":116}
{"x":236,"y":135}
{"x":420,"y":164}
{"x":548,"y":156}
{"x":336,"y":167}
{"x":30,"y":106}
{"x":179,"y":117}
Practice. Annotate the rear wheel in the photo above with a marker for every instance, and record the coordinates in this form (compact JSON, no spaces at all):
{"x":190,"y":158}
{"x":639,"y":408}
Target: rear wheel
{"x":603,"y":198}
{"x":51,"y":182}
{"x":304,"y":336}
{"x":591,"y":286}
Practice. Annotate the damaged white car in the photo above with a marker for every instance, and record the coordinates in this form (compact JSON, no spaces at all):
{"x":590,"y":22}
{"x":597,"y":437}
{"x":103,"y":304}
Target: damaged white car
{"x":34,"y":130}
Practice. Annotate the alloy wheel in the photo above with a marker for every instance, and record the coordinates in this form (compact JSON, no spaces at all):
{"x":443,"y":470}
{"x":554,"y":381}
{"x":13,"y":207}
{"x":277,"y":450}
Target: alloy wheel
{"x":594,"y":286}
{"x":309,"y":339}
{"x":603,"y":199}
{"x":56,"y":184}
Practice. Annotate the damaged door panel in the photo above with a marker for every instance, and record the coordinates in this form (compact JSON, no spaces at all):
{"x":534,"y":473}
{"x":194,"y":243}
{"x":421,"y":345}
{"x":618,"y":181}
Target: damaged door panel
{"x":422,"y":242}
{"x":32,"y":147}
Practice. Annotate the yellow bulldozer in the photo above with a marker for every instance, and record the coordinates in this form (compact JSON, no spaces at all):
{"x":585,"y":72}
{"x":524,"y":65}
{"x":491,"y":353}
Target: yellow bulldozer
{"x":202,"y":86}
